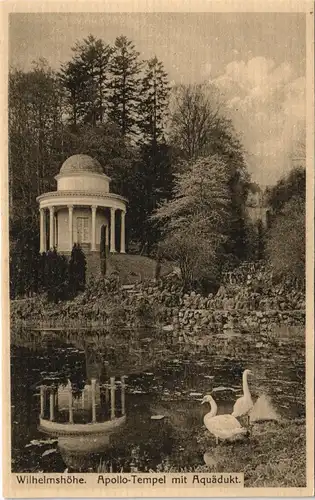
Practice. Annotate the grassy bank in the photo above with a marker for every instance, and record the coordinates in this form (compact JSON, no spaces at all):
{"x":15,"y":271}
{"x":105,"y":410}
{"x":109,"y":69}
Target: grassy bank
{"x":273,"y":456}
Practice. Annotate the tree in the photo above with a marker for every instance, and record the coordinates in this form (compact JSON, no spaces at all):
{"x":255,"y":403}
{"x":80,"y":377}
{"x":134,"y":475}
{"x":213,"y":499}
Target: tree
{"x":124,"y":99}
{"x":292,"y":185}
{"x":198,"y":129}
{"x":72,"y":79}
{"x":86,"y":81}
{"x":24,"y":263}
{"x":105,"y":143}
{"x":150,"y":184}
{"x":194,"y":118}
{"x":194,"y":220}
{"x":285,"y":247}
{"x":35,"y":130}
{"x":154,"y":94}
{"x":153,"y":172}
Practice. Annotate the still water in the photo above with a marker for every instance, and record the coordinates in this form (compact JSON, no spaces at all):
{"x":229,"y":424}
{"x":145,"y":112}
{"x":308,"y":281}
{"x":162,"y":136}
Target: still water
{"x":143,"y":381}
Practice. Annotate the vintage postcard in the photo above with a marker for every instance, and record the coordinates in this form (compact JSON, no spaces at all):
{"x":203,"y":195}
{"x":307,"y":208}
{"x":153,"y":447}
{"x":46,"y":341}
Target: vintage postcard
{"x":158,"y":248}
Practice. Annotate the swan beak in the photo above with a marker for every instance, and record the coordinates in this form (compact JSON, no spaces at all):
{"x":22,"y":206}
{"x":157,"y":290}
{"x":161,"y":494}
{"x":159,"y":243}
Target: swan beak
{"x":203,"y":401}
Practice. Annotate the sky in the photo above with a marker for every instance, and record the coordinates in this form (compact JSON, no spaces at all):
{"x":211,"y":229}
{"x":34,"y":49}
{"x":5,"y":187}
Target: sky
{"x":257,"y":60}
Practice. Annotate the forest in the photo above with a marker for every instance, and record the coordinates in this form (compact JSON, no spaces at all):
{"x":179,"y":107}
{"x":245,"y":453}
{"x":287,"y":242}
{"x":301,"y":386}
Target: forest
{"x":172,"y":150}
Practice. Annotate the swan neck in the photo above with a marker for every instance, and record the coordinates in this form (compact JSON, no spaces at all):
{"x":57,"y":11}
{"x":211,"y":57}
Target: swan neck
{"x":245,"y":385}
{"x":213,"y":409}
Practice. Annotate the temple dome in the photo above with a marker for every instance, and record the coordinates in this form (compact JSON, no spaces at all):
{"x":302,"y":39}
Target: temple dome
{"x":81,"y":163}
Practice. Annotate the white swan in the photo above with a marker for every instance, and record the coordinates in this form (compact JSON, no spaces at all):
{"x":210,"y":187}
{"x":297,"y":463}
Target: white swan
{"x":244,"y":404}
{"x":221,"y":426}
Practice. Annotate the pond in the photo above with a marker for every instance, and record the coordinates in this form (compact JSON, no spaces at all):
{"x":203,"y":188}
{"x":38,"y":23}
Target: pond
{"x":145,"y":383}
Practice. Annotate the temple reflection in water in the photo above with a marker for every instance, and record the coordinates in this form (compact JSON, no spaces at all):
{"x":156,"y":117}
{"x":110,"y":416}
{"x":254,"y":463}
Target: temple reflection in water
{"x":83,"y":414}
{"x":95,"y":403}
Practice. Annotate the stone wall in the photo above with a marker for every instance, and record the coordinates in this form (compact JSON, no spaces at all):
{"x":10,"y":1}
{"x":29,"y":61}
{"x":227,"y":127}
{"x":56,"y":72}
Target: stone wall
{"x":249,"y":303}
{"x":234,"y":308}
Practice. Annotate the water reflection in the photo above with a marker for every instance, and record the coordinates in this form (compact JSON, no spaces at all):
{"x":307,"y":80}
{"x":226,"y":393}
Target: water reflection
{"x":95,"y":402}
{"x":85,"y":412}
{"x":86,"y":380}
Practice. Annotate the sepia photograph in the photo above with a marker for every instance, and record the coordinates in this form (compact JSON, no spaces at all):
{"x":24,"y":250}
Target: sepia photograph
{"x":157,"y":221}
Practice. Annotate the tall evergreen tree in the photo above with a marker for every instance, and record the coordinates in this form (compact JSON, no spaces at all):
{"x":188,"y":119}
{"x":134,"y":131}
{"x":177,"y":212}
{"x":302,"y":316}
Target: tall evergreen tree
{"x":153,"y":101}
{"x":153,"y":178}
{"x":125,"y":70}
{"x":152,"y":183}
{"x":86,"y":81}
{"x":73,"y":79}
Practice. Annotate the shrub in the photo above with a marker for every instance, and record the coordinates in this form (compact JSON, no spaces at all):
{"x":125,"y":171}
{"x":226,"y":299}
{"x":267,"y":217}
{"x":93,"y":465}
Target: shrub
{"x":55,"y":281}
{"x":77,"y":271}
{"x":285,"y":246}
{"x":24,"y":266}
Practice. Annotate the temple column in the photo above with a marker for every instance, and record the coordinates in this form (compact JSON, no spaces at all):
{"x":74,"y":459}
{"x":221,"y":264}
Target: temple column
{"x":42,"y":230}
{"x":51,"y":405}
{"x":93,"y":235}
{"x":122,"y":232}
{"x":70,"y":403}
{"x":56,"y":399}
{"x":106,"y":394}
{"x":93,"y":387}
{"x":112,"y":397}
{"x":51,"y":227}
{"x":106,"y":238}
{"x":70,"y":228}
{"x":42,"y":401}
{"x":123,"y":396}
{"x":55,"y":231}
{"x":112,"y":231}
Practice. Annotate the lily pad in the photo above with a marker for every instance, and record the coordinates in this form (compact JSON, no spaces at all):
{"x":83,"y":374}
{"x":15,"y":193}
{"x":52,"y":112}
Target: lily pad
{"x":49,"y":452}
{"x":40,"y":442}
{"x":222,"y":388}
{"x":260,"y":344}
{"x":168,"y":328}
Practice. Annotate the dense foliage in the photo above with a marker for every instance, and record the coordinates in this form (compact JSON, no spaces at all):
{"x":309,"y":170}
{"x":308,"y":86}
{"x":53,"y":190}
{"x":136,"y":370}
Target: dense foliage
{"x":286,"y":239}
{"x":194,"y":220}
{"x":104,"y":102}
{"x":77,"y":270}
{"x":293,"y":185}
{"x":24,"y":265}
{"x":168,"y":150}
{"x":201,"y":129}
{"x":49,"y":273}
